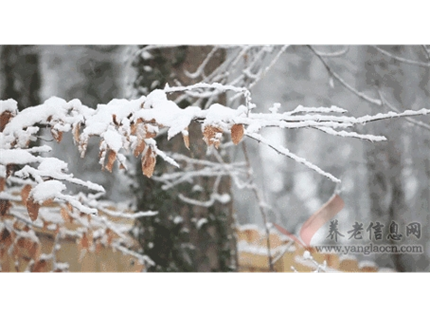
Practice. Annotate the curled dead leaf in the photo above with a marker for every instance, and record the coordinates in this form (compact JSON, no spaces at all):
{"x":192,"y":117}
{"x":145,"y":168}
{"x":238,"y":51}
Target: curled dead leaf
{"x":150,"y":131}
{"x":28,"y":248}
{"x":111,"y":160}
{"x":25,"y":192}
{"x":58,"y":135}
{"x":114,"y":120}
{"x":6,"y":238}
{"x":139,"y":147}
{"x":148,"y":163}
{"x":76,"y":132}
{"x":212,"y":135}
{"x":4,"y":207}
{"x":40,"y":266}
{"x":32,"y":209}
{"x":237,"y":132}
{"x":10,"y":168}
{"x":65,"y":214}
{"x":4,"y":119}
{"x":186,"y":137}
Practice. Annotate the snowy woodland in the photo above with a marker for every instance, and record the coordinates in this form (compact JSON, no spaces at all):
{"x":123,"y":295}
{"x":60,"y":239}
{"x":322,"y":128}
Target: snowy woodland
{"x":192,"y":141}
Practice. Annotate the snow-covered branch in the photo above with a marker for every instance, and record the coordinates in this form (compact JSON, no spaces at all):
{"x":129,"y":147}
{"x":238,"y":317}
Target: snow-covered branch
{"x":130,"y":126}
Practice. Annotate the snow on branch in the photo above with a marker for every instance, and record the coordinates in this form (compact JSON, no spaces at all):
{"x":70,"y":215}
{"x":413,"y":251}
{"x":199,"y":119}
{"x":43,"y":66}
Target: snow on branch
{"x":131,"y":126}
{"x":29,"y":175}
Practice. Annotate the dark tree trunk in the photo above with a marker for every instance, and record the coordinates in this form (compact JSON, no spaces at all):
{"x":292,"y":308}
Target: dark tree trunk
{"x":172,"y":239}
{"x":386,"y":161}
{"x":20,"y":77}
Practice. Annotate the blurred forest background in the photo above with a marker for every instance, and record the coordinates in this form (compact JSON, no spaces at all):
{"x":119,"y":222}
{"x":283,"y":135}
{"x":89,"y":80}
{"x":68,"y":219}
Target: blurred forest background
{"x":381,"y":182}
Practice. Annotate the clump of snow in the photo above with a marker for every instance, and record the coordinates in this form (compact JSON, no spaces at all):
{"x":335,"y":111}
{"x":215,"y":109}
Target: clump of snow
{"x":367,"y":263}
{"x":17,"y":156}
{"x":9,"y":105}
{"x":49,"y":165}
{"x":307,"y":255}
{"x":201,"y":222}
{"x":275,"y":108}
{"x":47,"y":190}
{"x":178,"y":219}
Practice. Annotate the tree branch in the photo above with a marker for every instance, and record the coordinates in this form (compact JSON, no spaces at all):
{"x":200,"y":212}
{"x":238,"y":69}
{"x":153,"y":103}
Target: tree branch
{"x":401,"y":59}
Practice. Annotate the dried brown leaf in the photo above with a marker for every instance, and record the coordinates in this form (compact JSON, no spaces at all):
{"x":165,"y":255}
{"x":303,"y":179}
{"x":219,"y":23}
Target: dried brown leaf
{"x":6,"y":238}
{"x":25,"y":192}
{"x":148,"y":133}
{"x":2,"y":184}
{"x":46,"y":224}
{"x":65,"y":214}
{"x":5,"y":205}
{"x":27,"y":248}
{"x":9,"y":170}
{"x":84,"y":242}
{"x":133,"y":128}
{"x":139,"y":147}
{"x":58,"y":135}
{"x":83,"y":147}
{"x":4,"y":119}
{"x":40,"y":266}
{"x":186,"y":137}
{"x":148,"y":163}
{"x":111,"y":160}
{"x":114,"y":120}
{"x":35,"y":251}
{"x":210,"y":135}
{"x":76,"y":132}
{"x":237,"y":132}
{"x":32,"y":209}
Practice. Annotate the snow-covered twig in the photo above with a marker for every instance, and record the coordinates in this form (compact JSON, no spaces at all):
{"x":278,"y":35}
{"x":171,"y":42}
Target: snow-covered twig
{"x":284,"y":151}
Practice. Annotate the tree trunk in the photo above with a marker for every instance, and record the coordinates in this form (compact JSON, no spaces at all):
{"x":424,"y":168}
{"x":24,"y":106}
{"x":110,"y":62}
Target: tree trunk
{"x":20,"y":78}
{"x":386,"y":162}
{"x":175,"y":239}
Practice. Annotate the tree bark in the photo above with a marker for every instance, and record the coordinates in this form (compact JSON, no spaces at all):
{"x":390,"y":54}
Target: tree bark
{"x":173,"y":239}
{"x":20,"y":79}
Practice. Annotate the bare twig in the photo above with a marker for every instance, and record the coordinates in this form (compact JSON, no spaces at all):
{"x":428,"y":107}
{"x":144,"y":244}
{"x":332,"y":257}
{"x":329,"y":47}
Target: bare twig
{"x":261,"y":205}
{"x":378,"y":102}
{"x":426,"y":52}
{"x":401,"y":59}
{"x":334,"y":54}
{"x":411,"y":120}
{"x":345,"y":84}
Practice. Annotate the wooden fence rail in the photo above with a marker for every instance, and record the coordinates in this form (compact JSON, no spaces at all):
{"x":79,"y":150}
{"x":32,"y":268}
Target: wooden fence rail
{"x":289,"y":256}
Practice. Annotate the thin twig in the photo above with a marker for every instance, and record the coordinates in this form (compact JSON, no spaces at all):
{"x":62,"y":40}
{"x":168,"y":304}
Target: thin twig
{"x":378,"y":102}
{"x":413,"y":121}
{"x":334,"y":54}
{"x":426,"y":52}
{"x":345,"y":84}
{"x":401,"y":59}
{"x":261,"y":206}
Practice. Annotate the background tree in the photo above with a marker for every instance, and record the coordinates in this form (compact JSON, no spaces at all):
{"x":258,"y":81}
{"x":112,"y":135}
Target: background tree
{"x":381,"y":181}
{"x":184,"y":236}
{"x":20,"y":74}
